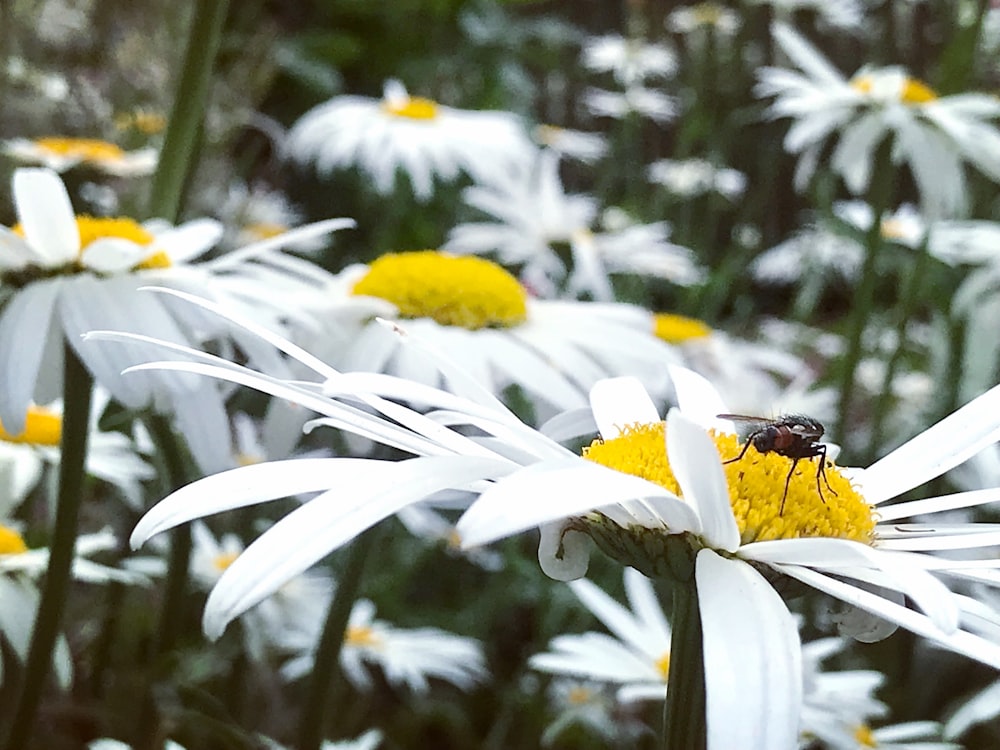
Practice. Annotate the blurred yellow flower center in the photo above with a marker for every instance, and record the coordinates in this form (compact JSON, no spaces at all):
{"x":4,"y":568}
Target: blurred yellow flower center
{"x":146,"y":122}
{"x":412,"y":108}
{"x":547,"y":134}
{"x":11,"y":543}
{"x":462,"y":291}
{"x":265,"y":230}
{"x":706,"y":14}
{"x":87,"y":149}
{"x":677,"y":329}
{"x":223,"y":561}
{"x":865,"y":738}
{"x":663,"y":666}
{"x":756,"y":487}
{"x":361,"y":636}
{"x":579,"y":695}
{"x":41,"y":427}
{"x":912,"y":91}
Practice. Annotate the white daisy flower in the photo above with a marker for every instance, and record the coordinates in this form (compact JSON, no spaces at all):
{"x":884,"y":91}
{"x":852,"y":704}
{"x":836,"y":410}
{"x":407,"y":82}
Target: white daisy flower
{"x":407,"y":657}
{"x":106,"y":743}
{"x":62,"y":275}
{"x":477,"y":312}
{"x":62,"y":154}
{"x":704,"y":17}
{"x":636,"y":658}
{"x":817,"y":250}
{"x":933,"y":135}
{"x":911,"y":735}
{"x":688,"y":178}
{"x":534,"y":216}
{"x":632,"y":100}
{"x":423,"y":138}
{"x":366,"y":741}
{"x":252,"y":213}
{"x":654,"y":495}
{"x":631,"y":61}
{"x":591,"y":705}
{"x":574,"y":144}
{"x":844,"y":14}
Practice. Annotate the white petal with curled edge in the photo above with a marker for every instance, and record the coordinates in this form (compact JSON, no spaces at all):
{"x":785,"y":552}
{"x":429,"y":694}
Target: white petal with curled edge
{"x":559,"y":489}
{"x":698,"y":399}
{"x":753,"y":658}
{"x":619,"y":402}
{"x":247,"y":485}
{"x":563,"y":554}
{"x":46,"y":215}
{"x":694,"y":460}
{"x":325,"y":523}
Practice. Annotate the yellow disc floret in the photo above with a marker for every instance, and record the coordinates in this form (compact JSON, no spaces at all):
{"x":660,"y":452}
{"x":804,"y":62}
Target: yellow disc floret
{"x":85,"y":149}
{"x":11,"y":542}
{"x":462,"y":291}
{"x":756,"y":487}
{"x":910,"y":90}
{"x":361,"y":636}
{"x":222,"y":561}
{"x":41,"y":427}
{"x":412,"y":108}
{"x":677,"y":329}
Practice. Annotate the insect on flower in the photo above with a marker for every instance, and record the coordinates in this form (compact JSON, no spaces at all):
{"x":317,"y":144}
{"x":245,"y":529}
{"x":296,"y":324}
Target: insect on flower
{"x":794,"y":436}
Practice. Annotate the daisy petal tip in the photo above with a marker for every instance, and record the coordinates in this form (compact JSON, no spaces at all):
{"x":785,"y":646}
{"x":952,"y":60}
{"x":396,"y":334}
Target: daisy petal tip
{"x":393,"y":326}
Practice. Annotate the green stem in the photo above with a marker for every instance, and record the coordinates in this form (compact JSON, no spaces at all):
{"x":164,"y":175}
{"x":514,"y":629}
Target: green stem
{"x":327,"y":659}
{"x":684,"y":725}
{"x":77,"y":391}
{"x":907,"y":305}
{"x":188,"y":109}
{"x":879,"y":197}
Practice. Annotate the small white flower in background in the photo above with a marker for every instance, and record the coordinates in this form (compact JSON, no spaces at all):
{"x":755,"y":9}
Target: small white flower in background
{"x":692,"y":20}
{"x":21,"y":566}
{"x":637,"y":658}
{"x":591,"y":705}
{"x":910,"y":735}
{"x":62,"y":275}
{"x":632,"y":100}
{"x":62,"y":154}
{"x":818,"y":249}
{"x":935,"y":136}
{"x":630,"y":61}
{"x":422,"y":138}
{"x":846,"y":15}
{"x":106,"y":743}
{"x":533,"y":215}
{"x":408,"y":657}
{"x":251,"y":213}
{"x":574,"y":144}
{"x":688,"y":178}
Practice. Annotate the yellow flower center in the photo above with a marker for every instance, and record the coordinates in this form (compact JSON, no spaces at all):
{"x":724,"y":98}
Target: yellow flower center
{"x":462,"y":291}
{"x":677,"y":329}
{"x":913,"y":91}
{"x":361,"y":636}
{"x":412,"y":108}
{"x":87,"y":149}
{"x":94,"y":228}
{"x":706,"y":14}
{"x":11,"y":543}
{"x":663,"y":666}
{"x":756,"y":487}
{"x":144,"y":121}
{"x":547,"y":134}
{"x":41,"y":427}
{"x":579,"y":695}
{"x":265,"y":230}
{"x":863,"y":734}
{"x":223,"y":561}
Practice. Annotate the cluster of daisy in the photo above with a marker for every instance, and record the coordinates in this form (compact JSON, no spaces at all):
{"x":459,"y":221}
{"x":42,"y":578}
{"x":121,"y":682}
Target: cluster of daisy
{"x":270,"y":390}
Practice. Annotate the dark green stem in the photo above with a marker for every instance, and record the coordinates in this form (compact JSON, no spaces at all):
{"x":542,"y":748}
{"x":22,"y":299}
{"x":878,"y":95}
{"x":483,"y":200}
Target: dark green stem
{"x":188,"y":110}
{"x":907,"y":305}
{"x":77,"y":390}
{"x":327,"y":658}
{"x":684,"y":725}
{"x":879,"y":197}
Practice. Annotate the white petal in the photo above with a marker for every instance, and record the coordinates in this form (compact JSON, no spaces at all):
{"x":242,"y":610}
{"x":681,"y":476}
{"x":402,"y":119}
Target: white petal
{"x":694,"y":459}
{"x":930,"y":505}
{"x":189,"y":240}
{"x":113,"y":255}
{"x":698,"y":399}
{"x":309,"y":533}
{"x":753,"y":660}
{"x":953,"y":440}
{"x":46,"y":215}
{"x":619,"y":402}
{"x":563,"y":554}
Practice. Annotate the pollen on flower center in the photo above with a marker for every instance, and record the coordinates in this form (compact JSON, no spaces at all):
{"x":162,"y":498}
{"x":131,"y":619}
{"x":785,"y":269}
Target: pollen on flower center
{"x":462,"y":291}
{"x":88,"y":149}
{"x":11,"y":542}
{"x":756,"y":486}
{"x":663,"y":666}
{"x":677,"y":329}
{"x":41,"y":427}
{"x":360,"y":636}
{"x":412,"y":108}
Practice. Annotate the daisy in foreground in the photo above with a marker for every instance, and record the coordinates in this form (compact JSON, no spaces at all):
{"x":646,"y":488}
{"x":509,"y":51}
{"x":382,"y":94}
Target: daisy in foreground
{"x":62,"y":154}
{"x":654,"y":495}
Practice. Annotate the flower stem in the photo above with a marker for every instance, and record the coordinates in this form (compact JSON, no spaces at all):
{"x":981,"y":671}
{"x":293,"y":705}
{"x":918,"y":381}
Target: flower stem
{"x":327,"y":657}
{"x":77,"y":390}
{"x":188,"y":109}
{"x":684,"y":725}
{"x":879,"y":197}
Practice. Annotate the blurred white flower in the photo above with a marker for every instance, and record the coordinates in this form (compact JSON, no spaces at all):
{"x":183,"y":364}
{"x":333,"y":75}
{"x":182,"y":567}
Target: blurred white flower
{"x":631,"y":61}
{"x":419,"y":136}
{"x":688,"y":178}
{"x":935,"y":136}
{"x":575,"y":144}
{"x":62,"y":154}
{"x":632,"y":100}
{"x":704,"y":17}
